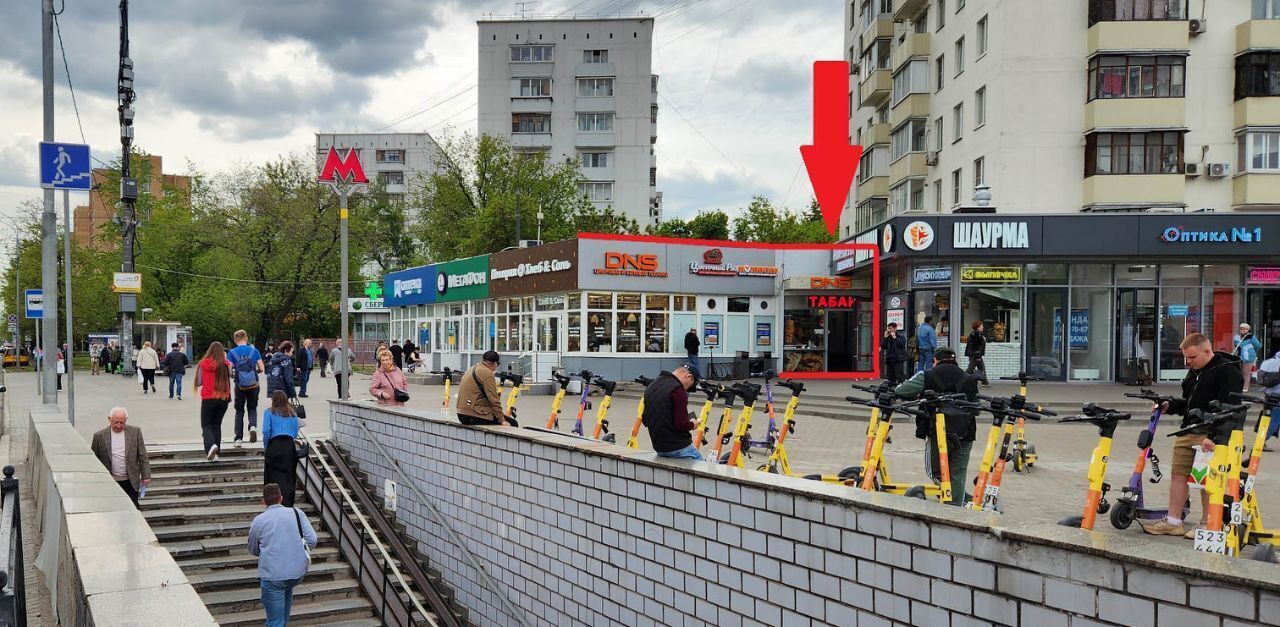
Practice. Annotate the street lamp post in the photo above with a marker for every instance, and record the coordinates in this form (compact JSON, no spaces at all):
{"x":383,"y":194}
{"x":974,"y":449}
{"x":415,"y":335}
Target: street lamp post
{"x":145,"y":311}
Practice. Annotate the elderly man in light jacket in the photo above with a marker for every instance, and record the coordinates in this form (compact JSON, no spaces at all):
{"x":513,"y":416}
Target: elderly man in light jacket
{"x":121,"y":449}
{"x":340,"y":363}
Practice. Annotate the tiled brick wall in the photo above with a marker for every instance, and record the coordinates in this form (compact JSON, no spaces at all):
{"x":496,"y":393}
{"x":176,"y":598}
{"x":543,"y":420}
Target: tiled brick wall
{"x":586,"y":533}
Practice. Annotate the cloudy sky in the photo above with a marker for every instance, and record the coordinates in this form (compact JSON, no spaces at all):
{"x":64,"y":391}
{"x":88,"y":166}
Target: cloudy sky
{"x":227,"y":83}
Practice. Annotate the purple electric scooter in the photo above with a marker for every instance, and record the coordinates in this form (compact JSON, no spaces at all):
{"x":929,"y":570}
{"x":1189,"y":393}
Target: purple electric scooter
{"x":1130,"y":504}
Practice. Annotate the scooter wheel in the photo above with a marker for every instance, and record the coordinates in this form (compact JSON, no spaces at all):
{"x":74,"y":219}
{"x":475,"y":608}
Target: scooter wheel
{"x":813,"y":477}
{"x":1265,"y":553}
{"x":916,"y":491}
{"x":1019,"y":462}
{"x":771,"y":468}
{"x":724,"y":458}
{"x":610,"y":438}
{"x":1104,"y":507}
{"x":851,"y":471}
{"x":1122,"y":514}
{"x":1071,"y":521}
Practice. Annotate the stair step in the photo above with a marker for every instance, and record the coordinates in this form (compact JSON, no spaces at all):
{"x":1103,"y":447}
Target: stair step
{"x":248,"y":576}
{"x":160,"y":518}
{"x":228,"y":545}
{"x":167,"y":452}
{"x":165,"y":501}
{"x":325,"y":612}
{"x":242,"y":486}
{"x":247,"y":599}
{"x":206,"y":476}
{"x":228,"y":462}
{"x":199,"y":565}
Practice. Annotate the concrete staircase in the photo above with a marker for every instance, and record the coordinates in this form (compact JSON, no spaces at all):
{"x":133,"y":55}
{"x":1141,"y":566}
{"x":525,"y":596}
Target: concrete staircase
{"x":201,"y":512}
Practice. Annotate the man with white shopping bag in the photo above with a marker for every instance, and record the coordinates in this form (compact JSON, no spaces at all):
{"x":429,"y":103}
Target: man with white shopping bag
{"x":1211,"y":376}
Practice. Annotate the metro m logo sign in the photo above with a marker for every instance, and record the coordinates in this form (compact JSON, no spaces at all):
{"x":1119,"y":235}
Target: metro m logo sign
{"x":345,"y":168}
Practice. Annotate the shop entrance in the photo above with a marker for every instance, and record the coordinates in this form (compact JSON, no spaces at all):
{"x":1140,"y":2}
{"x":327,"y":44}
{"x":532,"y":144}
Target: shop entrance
{"x":1046,"y":333}
{"x":1135,"y":335}
{"x":1264,"y":315}
{"x":842,"y":340}
{"x":548,"y":334}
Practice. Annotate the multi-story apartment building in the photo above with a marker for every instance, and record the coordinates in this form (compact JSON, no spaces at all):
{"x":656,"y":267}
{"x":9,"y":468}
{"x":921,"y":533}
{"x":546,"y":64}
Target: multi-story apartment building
{"x":1127,"y":147}
{"x":393,"y":159}
{"x":152,"y":181}
{"x":578,"y":89}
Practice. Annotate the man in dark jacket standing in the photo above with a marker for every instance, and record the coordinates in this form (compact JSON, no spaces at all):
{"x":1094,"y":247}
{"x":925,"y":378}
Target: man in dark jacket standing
{"x":175,"y":365}
{"x":666,"y":414}
{"x":306,"y":362}
{"x":691,"y":345}
{"x":974,"y":348}
{"x":322,"y":358}
{"x":397,"y":354}
{"x":894,"y":348}
{"x":1211,"y":376}
{"x":280,"y":372}
{"x":945,"y":377}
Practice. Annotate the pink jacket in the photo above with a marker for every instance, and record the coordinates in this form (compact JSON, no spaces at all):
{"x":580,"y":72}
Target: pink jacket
{"x":385,"y":383}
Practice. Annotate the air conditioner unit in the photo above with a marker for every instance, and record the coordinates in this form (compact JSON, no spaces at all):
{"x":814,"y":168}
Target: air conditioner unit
{"x":1192,"y":169}
{"x":854,"y":69}
{"x":1197,"y":26}
{"x":1218,"y":170}
{"x":931,"y":158}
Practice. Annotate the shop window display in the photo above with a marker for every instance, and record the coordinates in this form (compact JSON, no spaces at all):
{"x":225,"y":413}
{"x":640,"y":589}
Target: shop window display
{"x":1000,"y":310}
{"x":1180,"y":315}
{"x":803,"y":337}
{"x":1090,"y":332}
{"x":575,"y":333}
{"x":628,"y":332}
{"x":600,"y":331}
{"x":655,"y":332}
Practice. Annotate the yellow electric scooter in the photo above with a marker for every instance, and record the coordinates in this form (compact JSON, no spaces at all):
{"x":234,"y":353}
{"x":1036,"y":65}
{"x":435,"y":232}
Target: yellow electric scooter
{"x":602,"y":413}
{"x":447,"y":374}
{"x":728,"y":395}
{"x":872,"y":426}
{"x":1250,"y":525}
{"x":516,"y":381}
{"x":634,"y":441}
{"x":1024,"y":454}
{"x":742,"y":434}
{"x":874,"y":475}
{"x":712,"y":391}
{"x":553,"y":422}
{"x":1095,"y":501}
{"x":778,"y":462}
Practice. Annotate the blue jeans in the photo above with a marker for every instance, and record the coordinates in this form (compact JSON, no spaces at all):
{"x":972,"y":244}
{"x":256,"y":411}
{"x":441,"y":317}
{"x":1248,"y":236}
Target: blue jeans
{"x":926,"y":361}
{"x":277,"y":600}
{"x":687,"y":452}
{"x":697,"y":367}
{"x":175,"y":381}
{"x":306,"y":376}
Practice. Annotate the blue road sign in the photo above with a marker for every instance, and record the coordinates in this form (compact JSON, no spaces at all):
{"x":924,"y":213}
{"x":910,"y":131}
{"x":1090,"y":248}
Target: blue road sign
{"x":35,"y":304}
{"x":65,"y":166}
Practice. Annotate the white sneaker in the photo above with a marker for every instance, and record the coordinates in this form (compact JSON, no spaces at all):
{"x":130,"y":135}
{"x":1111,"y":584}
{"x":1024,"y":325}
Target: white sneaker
{"x":236,"y":444}
{"x":213,"y":453}
{"x":253,"y":435}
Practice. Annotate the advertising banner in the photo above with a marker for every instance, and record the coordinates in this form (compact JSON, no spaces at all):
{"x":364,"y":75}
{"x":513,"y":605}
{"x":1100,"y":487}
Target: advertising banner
{"x":414,"y":286}
{"x":464,"y":279}
{"x":540,"y":269}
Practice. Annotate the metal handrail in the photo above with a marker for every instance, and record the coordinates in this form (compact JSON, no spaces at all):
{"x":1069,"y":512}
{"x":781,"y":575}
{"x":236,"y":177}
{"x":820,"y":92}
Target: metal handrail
{"x":368,"y":530}
{"x":487,"y":580}
{"x":13,"y":594}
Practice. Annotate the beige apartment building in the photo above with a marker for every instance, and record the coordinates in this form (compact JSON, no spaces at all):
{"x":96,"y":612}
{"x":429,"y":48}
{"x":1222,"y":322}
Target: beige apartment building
{"x":1106,"y":105}
{"x":90,"y":219}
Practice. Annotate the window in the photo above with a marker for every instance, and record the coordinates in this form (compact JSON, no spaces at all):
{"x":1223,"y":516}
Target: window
{"x":595,"y":56}
{"x":939,"y":71}
{"x":874,"y":162}
{"x":982,"y":36}
{"x":531,"y":87}
{"x":1133,"y":153}
{"x":882,"y":115}
{"x":595,"y":121}
{"x":911,"y":79}
{"x":959,"y":5}
{"x":908,"y":137}
{"x":595,"y":87}
{"x":978,"y":171}
{"x":980,"y":107}
{"x":653,"y":177}
{"x":595,"y":191}
{"x":877,"y":56}
{"x":937,"y":195}
{"x":1136,"y":10}
{"x":942,"y":13}
{"x":959,"y":56}
{"x":921,"y":25}
{"x":391,"y":178}
{"x":1120,"y":76}
{"x":530,"y":123}
{"x":1258,"y":74}
{"x":595,"y":159}
{"x":937,"y":134}
{"x":957,"y":121}
{"x":527,"y":54}
{"x":1259,"y":152}
{"x":955,"y":187}
{"x":907,"y":196}
{"x":1266,"y":9}
{"x":390,"y":156}
{"x":870,"y":213}
{"x":653,"y":113}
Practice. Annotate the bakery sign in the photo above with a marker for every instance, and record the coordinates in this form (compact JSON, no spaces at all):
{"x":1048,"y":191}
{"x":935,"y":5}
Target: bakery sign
{"x":714,"y":264}
{"x":528,"y":269}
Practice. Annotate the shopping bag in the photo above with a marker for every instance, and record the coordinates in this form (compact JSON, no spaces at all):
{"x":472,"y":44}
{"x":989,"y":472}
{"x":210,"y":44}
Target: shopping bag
{"x":1199,"y":468}
{"x":139,"y":371}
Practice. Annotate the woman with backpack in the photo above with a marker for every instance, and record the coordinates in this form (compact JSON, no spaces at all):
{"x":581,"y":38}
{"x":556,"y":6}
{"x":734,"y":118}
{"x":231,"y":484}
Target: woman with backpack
{"x":280,"y":426}
{"x":1247,"y":347}
{"x":280,"y":371}
{"x":213,"y":384}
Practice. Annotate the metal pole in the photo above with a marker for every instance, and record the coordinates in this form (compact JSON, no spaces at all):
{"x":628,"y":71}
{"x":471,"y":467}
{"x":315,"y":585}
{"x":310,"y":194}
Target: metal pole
{"x":342,"y":227}
{"x":49,"y":224}
{"x":517,"y":217}
{"x":128,"y":302}
{"x":66,"y":273}
{"x":17,"y":300}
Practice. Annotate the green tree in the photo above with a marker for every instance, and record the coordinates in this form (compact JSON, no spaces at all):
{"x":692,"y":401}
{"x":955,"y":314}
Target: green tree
{"x":705,"y":225}
{"x":760,"y":221}
{"x":469,"y":207}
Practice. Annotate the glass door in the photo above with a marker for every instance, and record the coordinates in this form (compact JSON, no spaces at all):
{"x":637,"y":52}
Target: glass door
{"x":1046,"y":339}
{"x":1135,"y":335}
{"x":548,"y":334}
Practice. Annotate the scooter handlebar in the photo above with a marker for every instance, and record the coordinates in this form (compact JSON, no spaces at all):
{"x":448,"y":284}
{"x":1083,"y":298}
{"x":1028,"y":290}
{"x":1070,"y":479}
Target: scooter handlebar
{"x":1021,"y":376}
{"x":643,"y":380}
{"x":562,"y":379}
{"x":1270,"y":400}
{"x":796,"y":387}
{"x":1150,"y":395}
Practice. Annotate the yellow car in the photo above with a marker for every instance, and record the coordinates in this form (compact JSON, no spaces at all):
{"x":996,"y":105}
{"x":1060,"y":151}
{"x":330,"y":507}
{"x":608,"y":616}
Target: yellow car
{"x":24,"y":358}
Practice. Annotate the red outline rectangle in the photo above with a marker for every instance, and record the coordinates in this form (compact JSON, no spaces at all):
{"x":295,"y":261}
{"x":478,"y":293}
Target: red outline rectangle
{"x":851,"y":246}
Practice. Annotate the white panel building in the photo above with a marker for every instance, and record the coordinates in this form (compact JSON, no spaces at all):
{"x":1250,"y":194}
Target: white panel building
{"x":578,"y":89}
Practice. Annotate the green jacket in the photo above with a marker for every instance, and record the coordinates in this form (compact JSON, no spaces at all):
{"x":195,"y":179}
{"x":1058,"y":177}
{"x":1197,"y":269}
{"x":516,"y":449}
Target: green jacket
{"x":911,"y":388}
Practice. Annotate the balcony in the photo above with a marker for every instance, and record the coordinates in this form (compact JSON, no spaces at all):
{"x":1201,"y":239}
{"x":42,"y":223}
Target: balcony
{"x":595,"y":104}
{"x":531,"y":140}
{"x":598,"y":174}
{"x":1257,"y":111}
{"x":1255,"y":190}
{"x":594,"y":69}
{"x":593,"y":139}
{"x":1258,"y":35}
{"x":913,"y":45}
{"x":531,"y":69}
{"x":882,"y":26}
{"x":1113,"y":113}
{"x":874,"y":187}
{"x":913,"y":106}
{"x":876,"y":88}
{"x":653,"y":130}
{"x":1134,"y":189}
{"x":1135,"y":36}
{"x":907,"y":9}
{"x":911,"y":165}
{"x":531,"y":105}
{"x":876,"y":134}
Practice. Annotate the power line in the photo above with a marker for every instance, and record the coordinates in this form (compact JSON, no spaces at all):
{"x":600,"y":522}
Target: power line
{"x":235,"y":280}
{"x":67,"y":68}
{"x":704,"y":137}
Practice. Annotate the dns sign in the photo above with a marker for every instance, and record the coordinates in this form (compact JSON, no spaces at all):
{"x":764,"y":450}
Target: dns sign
{"x":628,"y":264}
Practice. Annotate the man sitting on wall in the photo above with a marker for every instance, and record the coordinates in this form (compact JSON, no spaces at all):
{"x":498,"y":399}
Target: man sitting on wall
{"x":666,"y":414}
{"x":479,"y":399}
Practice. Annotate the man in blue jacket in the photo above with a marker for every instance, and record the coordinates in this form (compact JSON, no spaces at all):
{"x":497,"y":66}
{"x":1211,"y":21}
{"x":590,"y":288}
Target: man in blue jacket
{"x":926,"y":343}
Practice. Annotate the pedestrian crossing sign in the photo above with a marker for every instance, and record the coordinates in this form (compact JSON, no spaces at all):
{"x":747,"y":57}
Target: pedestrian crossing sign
{"x":65,"y":166}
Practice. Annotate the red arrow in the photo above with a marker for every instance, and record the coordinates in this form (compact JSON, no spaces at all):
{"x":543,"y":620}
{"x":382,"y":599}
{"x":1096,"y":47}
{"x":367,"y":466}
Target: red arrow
{"x":830,"y":160}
